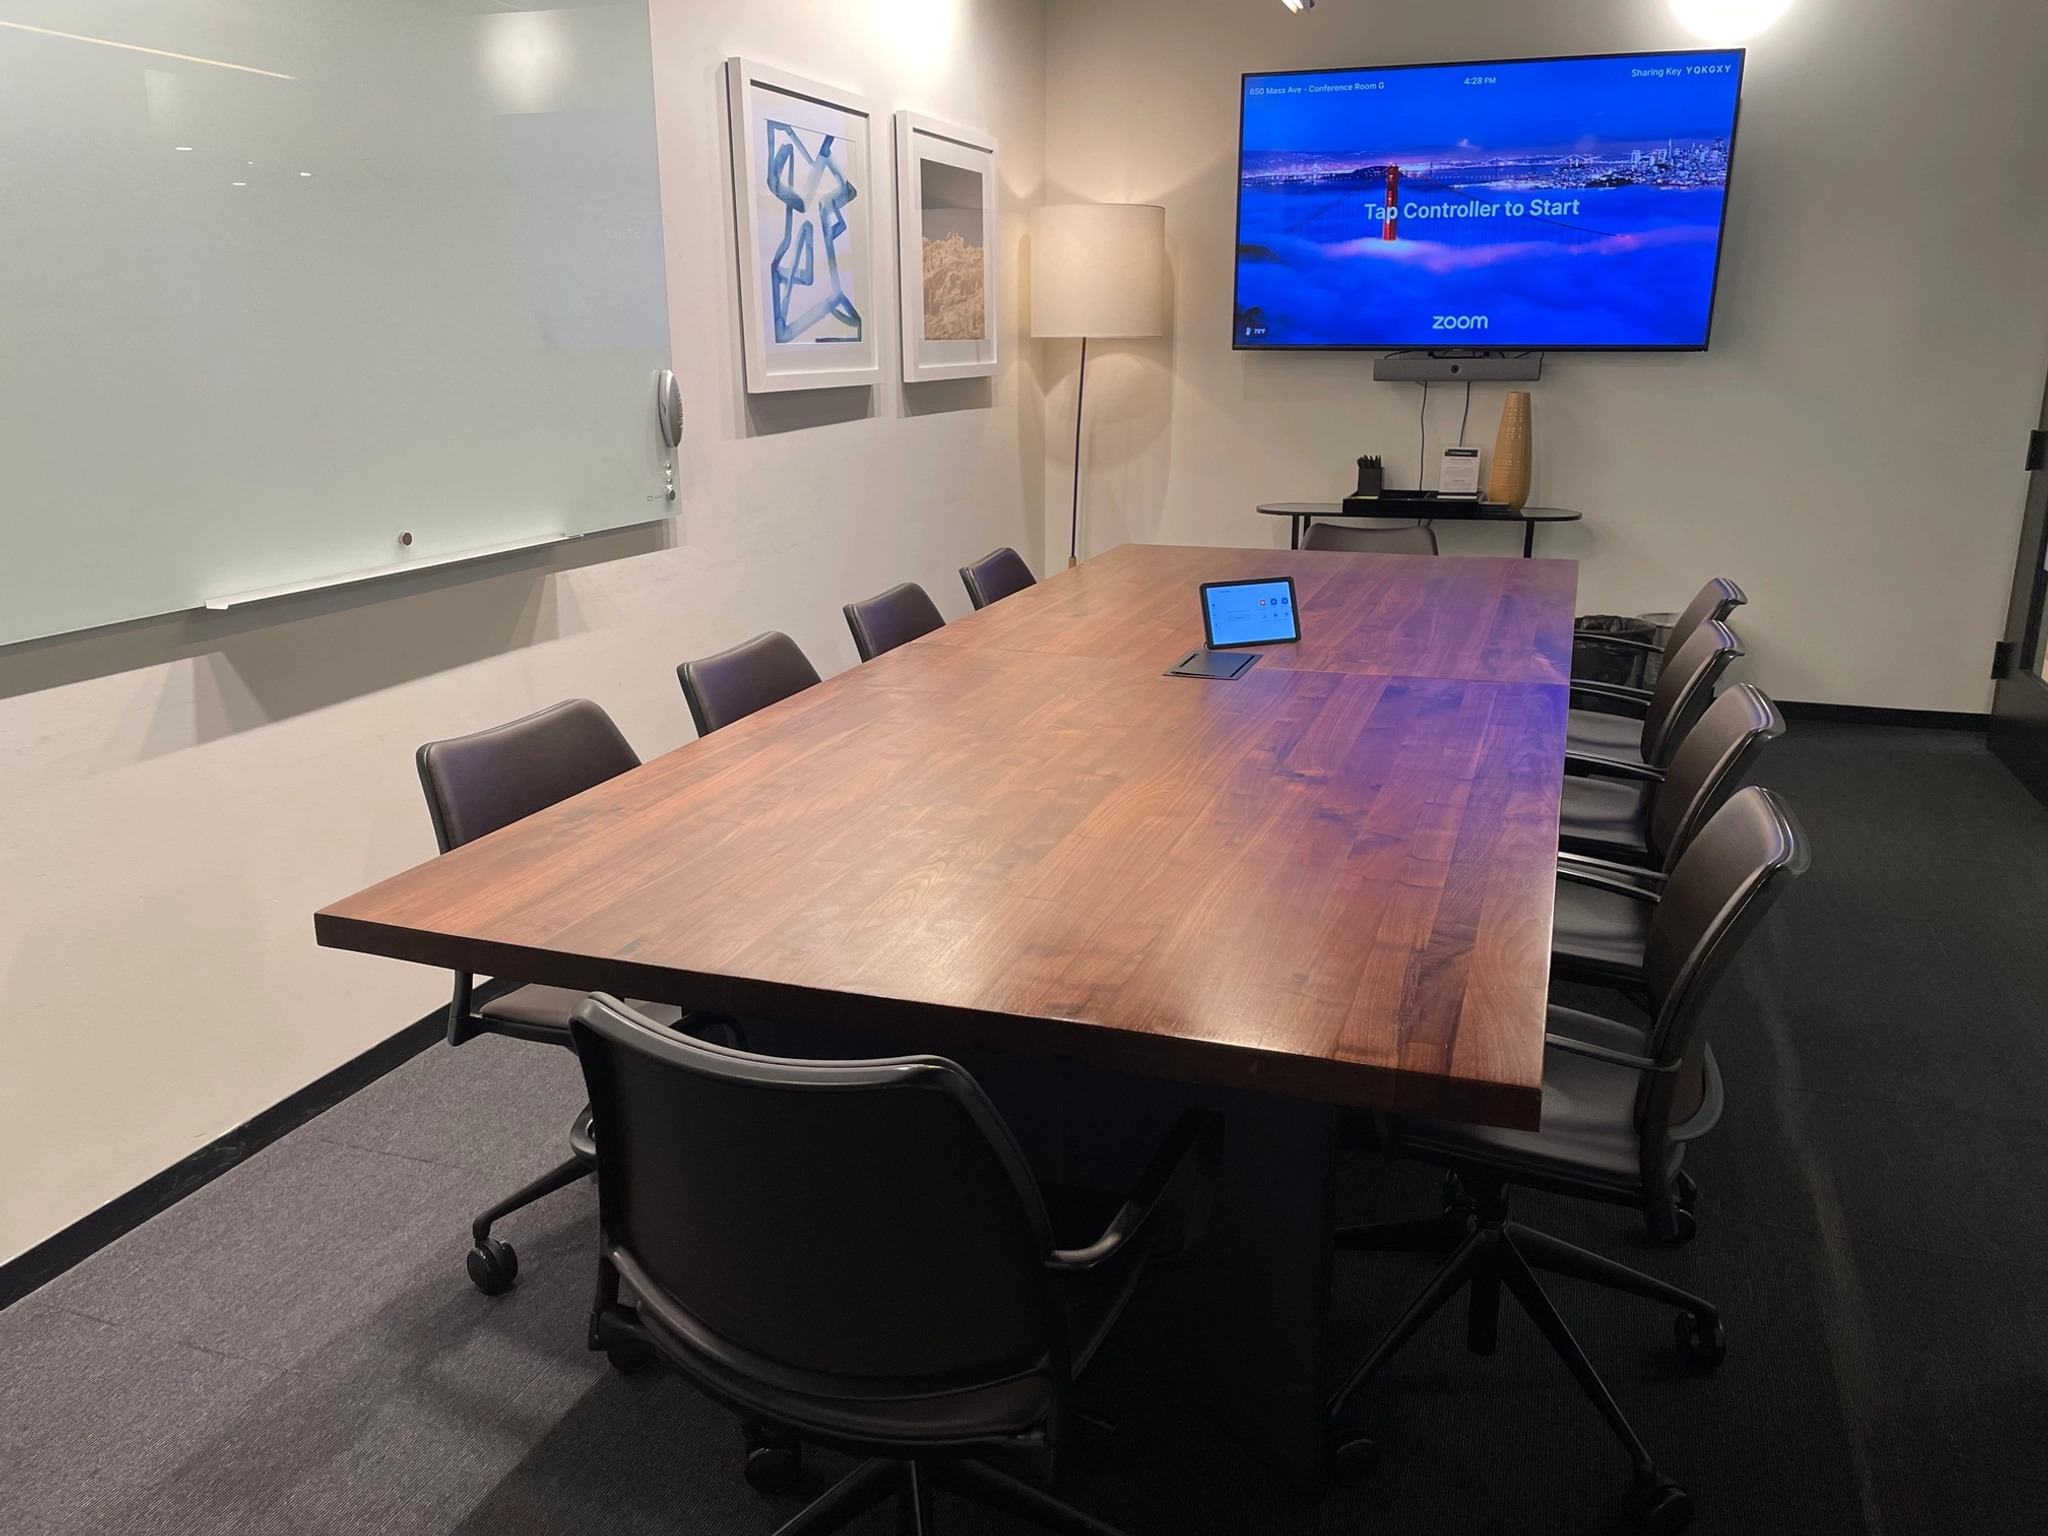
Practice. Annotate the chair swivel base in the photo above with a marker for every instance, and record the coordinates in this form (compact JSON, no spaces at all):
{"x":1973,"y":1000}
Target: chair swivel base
{"x":1486,"y":1252}
{"x":493,"y":1264}
{"x":911,"y":1482}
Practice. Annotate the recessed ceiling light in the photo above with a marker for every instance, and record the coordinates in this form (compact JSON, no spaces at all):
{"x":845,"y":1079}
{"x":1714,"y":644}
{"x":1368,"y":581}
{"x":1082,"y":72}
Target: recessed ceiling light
{"x":1728,"y":21}
{"x":240,"y":183}
{"x":184,"y":149}
{"x":305,"y":173}
{"x":1298,"y":6}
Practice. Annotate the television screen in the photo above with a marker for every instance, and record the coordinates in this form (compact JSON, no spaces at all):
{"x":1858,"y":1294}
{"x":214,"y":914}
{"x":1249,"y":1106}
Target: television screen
{"x":1542,"y":203}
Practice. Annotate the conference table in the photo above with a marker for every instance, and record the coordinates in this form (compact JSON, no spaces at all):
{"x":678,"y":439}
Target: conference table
{"x":1323,"y":886}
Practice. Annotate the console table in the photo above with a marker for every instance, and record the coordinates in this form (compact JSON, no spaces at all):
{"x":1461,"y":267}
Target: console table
{"x":1425,"y":509}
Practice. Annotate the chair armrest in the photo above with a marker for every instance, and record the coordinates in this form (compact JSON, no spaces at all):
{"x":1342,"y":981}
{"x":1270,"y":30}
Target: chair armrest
{"x":1608,"y":866}
{"x":1199,"y":1131}
{"x":1614,"y":691}
{"x":1592,"y":765}
{"x":1605,"y":882}
{"x":1626,"y":642}
{"x":1573,"y":1047}
{"x":1628,"y":693}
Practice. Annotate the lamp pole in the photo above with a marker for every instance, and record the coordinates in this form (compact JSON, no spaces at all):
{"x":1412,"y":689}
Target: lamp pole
{"x":1080,"y":394}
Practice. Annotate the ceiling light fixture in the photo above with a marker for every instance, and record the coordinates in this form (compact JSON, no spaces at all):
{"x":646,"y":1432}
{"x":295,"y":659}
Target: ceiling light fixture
{"x":1298,"y":6}
{"x":1728,"y":21}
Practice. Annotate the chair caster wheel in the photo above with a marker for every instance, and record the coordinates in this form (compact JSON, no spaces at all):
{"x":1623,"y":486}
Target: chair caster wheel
{"x":1457,"y":1198}
{"x":1353,"y":1459}
{"x":1702,"y":1342}
{"x":493,"y":1266}
{"x":1684,"y":1228}
{"x":630,"y":1358}
{"x":1656,"y":1506}
{"x":774,"y":1468}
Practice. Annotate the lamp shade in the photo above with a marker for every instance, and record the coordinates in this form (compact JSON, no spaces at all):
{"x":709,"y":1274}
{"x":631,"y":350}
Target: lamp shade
{"x":1098,"y":269}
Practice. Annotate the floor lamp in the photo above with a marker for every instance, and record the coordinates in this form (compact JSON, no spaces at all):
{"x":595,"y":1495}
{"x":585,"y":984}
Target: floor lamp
{"x":1097,"y":270}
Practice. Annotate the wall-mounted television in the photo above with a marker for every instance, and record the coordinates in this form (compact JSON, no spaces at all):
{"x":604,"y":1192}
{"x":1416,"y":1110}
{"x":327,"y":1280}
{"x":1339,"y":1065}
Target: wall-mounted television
{"x":1524,"y":204}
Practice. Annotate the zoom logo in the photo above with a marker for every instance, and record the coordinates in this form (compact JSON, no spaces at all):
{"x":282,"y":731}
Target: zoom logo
{"x":1457,"y":323}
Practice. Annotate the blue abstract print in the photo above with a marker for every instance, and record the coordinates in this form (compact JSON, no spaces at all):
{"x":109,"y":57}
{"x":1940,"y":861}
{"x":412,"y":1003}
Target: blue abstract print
{"x":807,"y":175}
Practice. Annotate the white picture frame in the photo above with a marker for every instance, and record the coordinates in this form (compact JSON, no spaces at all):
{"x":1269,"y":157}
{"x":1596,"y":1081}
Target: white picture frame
{"x":807,"y":213}
{"x":945,"y":249}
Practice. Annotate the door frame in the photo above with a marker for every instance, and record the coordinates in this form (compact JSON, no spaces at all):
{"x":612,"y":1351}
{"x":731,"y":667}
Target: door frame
{"x":2019,"y":704}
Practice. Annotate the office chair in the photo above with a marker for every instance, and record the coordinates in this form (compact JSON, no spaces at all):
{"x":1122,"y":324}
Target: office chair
{"x":1716,"y":600}
{"x":855,"y":1254}
{"x":895,"y":618}
{"x":1620,"y":839}
{"x":1684,"y":690}
{"x":1415,"y":539}
{"x":734,"y":684}
{"x":474,"y":785}
{"x":1619,"y":1106}
{"x":995,"y":576}
{"x":1635,"y":814}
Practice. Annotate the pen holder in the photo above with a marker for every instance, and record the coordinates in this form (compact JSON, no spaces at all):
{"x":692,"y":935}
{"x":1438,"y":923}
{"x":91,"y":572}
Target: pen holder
{"x":1370,"y":476}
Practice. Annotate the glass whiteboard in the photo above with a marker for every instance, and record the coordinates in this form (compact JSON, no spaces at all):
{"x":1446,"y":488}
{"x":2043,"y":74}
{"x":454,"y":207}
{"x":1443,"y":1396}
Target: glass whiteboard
{"x":286,"y":280}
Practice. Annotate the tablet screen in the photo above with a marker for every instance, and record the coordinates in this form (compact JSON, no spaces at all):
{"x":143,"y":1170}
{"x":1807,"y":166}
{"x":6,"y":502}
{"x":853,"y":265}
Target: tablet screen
{"x":1249,"y":612}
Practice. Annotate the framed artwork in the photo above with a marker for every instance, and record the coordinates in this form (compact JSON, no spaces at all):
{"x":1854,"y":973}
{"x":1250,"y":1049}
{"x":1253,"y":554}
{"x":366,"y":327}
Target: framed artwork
{"x":806,"y":214}
{"x":945,"y":249}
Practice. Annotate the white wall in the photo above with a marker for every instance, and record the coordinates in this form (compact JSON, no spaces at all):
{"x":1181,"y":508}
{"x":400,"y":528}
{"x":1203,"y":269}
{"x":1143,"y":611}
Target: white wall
{"x":1849,"y":450}
{"x":177,"y":797}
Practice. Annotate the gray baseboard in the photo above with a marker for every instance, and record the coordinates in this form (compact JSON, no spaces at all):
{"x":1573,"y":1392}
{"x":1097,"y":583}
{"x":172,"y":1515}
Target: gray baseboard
{"x":1866,"y":714}
{"x":122,"y":1214}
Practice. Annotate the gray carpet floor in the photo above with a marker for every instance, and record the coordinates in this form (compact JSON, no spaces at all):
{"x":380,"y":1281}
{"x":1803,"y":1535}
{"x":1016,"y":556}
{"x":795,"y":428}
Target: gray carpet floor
{"x":294,"y":1348}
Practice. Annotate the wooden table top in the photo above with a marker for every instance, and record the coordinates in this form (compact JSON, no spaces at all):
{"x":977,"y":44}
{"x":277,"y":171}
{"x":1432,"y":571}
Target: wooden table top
{"x":1331,"y":878}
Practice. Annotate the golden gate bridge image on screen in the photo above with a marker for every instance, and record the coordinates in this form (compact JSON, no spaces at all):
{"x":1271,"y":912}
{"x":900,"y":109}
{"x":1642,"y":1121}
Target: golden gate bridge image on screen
{"x":1373,"y":208}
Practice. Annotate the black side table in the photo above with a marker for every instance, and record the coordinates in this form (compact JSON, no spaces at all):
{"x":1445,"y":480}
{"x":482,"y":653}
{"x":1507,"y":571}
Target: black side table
{"x":1427,"y":509}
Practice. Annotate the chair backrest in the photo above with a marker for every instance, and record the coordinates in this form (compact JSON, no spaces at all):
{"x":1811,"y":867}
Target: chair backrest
{"x":1685,"y":688}
{"x":1727,"y":878}
{"x":895,"y":618}
{"x":1415,"y":539}
{"x":1716,"y":600}
{"x":854,"y":1223}
{"x":477,"y":784}
{"x":734,"y":684}
{"x":1708,"y":766}
{"x":995,"y":576}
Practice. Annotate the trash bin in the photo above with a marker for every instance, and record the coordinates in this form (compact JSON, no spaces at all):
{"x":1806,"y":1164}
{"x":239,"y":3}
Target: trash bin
{"x":1653,"y":662}
{"x":1624,"y":664}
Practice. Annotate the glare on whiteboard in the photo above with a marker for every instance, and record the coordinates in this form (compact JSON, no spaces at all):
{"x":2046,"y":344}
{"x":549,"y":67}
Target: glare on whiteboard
{"x":1728,"y":21}
{"x":526,"y":58}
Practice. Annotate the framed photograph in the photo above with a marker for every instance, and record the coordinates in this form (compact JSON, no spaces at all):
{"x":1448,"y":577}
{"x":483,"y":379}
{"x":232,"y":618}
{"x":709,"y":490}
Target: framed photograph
{"x":807,"y":215}
{"x":945,"y":249}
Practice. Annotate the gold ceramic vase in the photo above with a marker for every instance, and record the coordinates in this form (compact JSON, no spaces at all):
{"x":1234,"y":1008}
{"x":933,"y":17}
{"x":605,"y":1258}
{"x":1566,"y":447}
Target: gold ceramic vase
{"x":1508,"y":483}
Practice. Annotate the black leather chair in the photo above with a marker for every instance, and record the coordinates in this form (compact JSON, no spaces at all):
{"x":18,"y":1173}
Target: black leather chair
{"x":1634,"y":814}
{"x":475,"y":785}
{"x":855,"y":1253}
{"x":1716,"y":600}
{"x":734,"y":684}
{"x":995,"y":576}
{"x":1684,"y":690}
{"x":895,"y":618}
{"x":1619,"y":1107}
{"x":1415,"y":539}
{"x":1620,"y":839}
